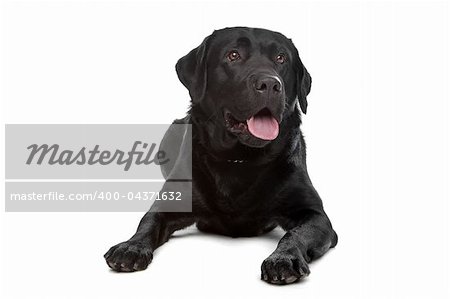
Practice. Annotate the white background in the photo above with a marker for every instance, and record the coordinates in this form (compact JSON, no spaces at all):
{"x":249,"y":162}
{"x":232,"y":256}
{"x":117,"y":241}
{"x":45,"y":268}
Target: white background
{"x":377,"y":131}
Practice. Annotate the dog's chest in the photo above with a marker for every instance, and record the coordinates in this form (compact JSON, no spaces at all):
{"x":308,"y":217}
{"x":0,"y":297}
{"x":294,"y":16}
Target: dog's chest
{"x":235,"y":182}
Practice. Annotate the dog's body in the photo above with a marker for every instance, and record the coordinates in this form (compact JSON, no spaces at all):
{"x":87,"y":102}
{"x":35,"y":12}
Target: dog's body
{"x":248,"y":155}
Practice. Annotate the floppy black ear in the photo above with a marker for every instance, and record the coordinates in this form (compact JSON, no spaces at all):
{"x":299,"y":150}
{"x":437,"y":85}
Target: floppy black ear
{"x":192,"y":71}
{"x":303,"y":86}
{"x":303,"y":81}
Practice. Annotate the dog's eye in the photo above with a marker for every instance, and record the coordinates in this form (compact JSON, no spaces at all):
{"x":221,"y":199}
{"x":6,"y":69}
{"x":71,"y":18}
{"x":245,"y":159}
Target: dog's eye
{"x":233,"y":55}
{"x":281,"y":58}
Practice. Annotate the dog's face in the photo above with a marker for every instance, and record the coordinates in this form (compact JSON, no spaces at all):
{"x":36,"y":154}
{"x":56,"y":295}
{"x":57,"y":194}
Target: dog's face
{"x":246,"y":81}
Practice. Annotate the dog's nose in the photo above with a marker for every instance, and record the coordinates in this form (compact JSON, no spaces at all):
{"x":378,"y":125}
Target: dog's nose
{"x":268,"y":84}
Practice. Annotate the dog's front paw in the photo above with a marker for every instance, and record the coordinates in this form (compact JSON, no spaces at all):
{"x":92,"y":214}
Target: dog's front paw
{"x":281,"y":268}
{"x":129,"y":256}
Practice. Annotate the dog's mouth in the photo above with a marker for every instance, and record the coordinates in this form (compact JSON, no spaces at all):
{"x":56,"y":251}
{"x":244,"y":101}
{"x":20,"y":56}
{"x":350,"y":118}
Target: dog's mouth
{"x":262,"y":125}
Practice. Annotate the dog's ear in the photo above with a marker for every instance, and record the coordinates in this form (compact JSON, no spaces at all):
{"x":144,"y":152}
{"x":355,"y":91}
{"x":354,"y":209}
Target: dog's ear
{"x":303,"y":87}
{"x":303,"y":82}
{"x":192,"y":71}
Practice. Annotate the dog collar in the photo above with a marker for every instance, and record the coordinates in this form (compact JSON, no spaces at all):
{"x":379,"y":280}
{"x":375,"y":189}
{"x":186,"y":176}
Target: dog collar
{"x":236,"y":161}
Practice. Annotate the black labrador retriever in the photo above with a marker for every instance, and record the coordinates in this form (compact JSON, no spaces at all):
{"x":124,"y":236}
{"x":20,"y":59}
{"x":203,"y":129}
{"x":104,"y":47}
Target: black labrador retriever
{"x":249,"y":174}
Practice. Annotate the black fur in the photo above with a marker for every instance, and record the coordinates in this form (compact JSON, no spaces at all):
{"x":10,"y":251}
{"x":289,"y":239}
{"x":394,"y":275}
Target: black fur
{"x":269,"y":186}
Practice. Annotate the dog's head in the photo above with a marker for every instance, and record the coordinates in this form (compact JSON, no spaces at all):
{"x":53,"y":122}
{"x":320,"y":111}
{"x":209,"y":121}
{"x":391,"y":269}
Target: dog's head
{"x":246,"y":81}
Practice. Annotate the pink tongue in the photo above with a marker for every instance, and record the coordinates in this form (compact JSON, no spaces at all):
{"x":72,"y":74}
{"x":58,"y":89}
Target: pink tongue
{"x":263,"y":126}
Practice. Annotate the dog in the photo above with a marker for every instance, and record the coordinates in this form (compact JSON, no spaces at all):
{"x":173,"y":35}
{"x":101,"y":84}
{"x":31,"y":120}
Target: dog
{"x":248,"y":88}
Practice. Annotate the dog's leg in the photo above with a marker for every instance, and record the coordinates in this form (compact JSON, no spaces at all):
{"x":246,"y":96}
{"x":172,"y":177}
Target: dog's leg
{"x":157,"y":226}
{"x":309,"y":235}
{"x":154,"y":229}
